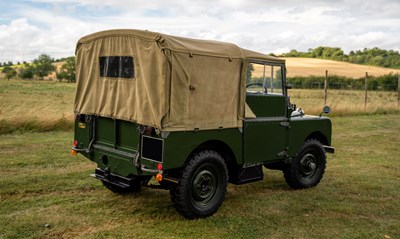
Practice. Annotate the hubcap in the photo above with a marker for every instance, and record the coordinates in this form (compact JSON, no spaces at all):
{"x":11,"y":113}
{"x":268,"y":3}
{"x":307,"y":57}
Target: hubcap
{"x":308,"y":165}
{"x":205,"y":185}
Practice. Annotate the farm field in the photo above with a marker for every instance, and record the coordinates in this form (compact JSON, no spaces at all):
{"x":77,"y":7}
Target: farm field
{"x":297,"y":66}
{"x":48,"y":105}
{"x":35,"y":105}
{"x":47,"y":193}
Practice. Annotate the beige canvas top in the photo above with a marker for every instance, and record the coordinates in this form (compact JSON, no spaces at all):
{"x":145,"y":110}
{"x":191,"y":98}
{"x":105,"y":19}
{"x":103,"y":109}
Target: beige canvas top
{"x":178,"y":84}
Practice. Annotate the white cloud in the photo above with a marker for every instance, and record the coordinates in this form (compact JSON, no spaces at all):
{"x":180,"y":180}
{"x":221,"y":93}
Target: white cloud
{"x":54,"y":26}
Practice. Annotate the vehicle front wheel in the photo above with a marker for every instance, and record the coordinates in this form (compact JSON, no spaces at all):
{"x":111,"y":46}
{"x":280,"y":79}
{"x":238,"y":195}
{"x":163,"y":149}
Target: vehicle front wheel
{"x":307,"y":169}
{"x":202,"y":185}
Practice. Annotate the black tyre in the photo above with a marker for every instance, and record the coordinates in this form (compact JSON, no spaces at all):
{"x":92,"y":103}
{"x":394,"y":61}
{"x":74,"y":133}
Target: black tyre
{"x":307,"y":169}
{"x":135,"y":187}
{"x":202,"y":185}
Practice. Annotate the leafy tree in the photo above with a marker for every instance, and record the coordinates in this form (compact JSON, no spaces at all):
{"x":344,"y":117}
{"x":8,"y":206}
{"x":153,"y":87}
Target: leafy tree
{"x":67,"y":71}
{"x":10,"y":74}
{"x":373,"y":56}
{"x":27,"y":72}
{"x":43,"y":65}
{"x":250,"y":70}
{"x":7,"y":69}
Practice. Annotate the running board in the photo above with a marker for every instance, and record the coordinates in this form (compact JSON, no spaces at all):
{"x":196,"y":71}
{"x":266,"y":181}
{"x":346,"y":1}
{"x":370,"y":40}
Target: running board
{"x":246,"y":175}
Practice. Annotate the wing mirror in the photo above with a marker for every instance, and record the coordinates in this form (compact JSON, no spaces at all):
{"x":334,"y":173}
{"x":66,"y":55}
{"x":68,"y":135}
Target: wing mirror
{"x":288,"y":85}
{"x":326,"y":110}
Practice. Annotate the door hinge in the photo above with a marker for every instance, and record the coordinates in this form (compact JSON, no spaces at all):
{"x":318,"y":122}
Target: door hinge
{"x":285,"y":124}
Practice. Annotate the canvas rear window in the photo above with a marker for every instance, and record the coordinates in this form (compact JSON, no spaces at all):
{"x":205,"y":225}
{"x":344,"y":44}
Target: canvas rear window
{"x":117,"y":67}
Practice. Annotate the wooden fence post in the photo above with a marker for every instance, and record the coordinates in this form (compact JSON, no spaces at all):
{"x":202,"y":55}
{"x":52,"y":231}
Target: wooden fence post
{"x":398,"y":91}
{"x":366,"y":90}
{"x":326,"y":87}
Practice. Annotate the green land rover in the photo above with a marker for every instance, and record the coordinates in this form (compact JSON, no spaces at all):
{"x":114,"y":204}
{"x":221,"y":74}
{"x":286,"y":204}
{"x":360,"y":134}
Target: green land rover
{"x":193,"y":114}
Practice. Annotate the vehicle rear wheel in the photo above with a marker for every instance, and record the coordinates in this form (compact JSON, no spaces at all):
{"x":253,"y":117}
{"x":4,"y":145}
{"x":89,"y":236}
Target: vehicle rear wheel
{"x":202,"y":185}
{"x":307,"y":169}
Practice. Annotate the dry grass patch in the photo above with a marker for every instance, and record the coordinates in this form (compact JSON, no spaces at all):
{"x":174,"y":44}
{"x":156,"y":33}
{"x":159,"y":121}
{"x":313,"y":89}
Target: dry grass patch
{"x":297,"y":66}
{"x":35,"y":105}
{"x":45,"y":106}
{"x":345,"y":102}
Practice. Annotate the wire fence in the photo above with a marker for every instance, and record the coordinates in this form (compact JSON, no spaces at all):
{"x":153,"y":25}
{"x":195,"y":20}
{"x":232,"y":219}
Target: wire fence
{"x":344,"y":86}
{"x":388,"y":83}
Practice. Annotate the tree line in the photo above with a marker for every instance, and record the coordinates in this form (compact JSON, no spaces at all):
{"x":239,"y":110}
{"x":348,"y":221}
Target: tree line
{"x":373,"y":56}
{"x":41,"y":67}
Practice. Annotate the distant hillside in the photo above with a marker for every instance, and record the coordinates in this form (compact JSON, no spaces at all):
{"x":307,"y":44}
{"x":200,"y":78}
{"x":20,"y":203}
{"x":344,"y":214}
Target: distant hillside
{"x":297,"y":66}
{"x":373,"y":56}
{"x":311,"y":66}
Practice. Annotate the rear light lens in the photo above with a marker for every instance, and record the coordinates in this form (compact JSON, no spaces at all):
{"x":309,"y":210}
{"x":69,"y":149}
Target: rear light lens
{"x":148,"y":130}
{"x":159,"y":167}
{"x":75,"y":143}
{"x":80,"y":118}
{"x":159,"y":177}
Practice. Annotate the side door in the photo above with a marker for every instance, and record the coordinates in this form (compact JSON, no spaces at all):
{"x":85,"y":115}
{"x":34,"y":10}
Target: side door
{"x":265,"y":128}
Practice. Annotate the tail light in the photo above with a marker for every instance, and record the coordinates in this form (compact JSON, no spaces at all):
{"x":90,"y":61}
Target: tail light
{"x":159,"y":177}
{"x":148,"y":130}
{"x":80,"y":117}
{"x":75,"y":143}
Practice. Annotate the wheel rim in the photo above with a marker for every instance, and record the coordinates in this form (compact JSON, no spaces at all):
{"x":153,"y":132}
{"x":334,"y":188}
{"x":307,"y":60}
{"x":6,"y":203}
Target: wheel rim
{"x":309,"y":166}
{"x":205,"y":185}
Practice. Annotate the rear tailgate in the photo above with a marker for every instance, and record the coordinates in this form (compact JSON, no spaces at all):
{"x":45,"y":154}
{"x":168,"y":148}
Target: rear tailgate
{"x":111,"y":143}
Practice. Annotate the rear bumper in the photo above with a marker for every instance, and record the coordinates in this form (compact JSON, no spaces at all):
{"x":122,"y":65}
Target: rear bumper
{"x":114,"y":179}
{"x":329,"y":149}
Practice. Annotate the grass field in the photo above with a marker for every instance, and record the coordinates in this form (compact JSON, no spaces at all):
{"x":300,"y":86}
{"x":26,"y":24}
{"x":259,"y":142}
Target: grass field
{"x":312,"y":66}
{"x":345,"y":102}
{"x":35,"y":105}
{"x":48,"y":105}
{"x":46,"y":193}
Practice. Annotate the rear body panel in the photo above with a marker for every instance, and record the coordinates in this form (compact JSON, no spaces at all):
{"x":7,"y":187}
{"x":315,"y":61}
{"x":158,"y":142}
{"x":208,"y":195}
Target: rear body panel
{"x":120,"y":146}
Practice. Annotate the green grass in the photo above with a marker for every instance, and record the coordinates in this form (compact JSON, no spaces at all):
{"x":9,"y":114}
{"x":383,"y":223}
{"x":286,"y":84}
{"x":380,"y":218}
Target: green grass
{"x":46,"y":193}
{"x":31,"y":105}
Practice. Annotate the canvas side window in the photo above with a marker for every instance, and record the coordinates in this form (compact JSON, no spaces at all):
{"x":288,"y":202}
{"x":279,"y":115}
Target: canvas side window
{"x":117,"y":67}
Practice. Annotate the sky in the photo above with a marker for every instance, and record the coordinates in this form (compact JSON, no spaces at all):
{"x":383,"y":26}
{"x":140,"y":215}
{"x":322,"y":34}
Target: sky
{"x":30,"y":28}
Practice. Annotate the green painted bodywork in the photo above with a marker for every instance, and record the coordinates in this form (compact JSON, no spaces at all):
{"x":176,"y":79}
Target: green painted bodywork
{"x":179,"y":145}
{"x":267,"y":105}
{"x":303,"y":127}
